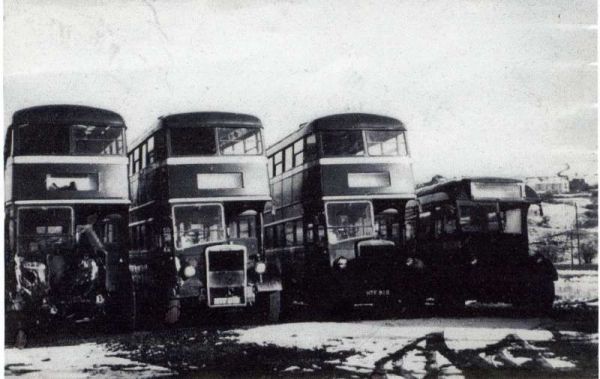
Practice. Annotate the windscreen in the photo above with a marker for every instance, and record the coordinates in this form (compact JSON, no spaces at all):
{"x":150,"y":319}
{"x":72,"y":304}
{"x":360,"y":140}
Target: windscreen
{"x":349,"y":220}
{"x":198,"y":224}
{"x":51,"y":139}
{"x":491,"y":218}
{"x":43,"y":230}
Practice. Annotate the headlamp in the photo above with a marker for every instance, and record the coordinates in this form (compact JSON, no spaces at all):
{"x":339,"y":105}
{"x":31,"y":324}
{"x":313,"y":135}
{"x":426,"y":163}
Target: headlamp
{"x":260,"y":268}
{"x":189,"y":271}
{"x":341,"y":263}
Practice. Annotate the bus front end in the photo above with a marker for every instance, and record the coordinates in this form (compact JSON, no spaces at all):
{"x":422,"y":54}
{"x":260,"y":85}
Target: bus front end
{"x":218,"y":188}
{"x":66,"y":216}
{"x":474,"y":242}
{"x":370,"y":213}
{"x":496,"y":245}
{"x":218,"y":258}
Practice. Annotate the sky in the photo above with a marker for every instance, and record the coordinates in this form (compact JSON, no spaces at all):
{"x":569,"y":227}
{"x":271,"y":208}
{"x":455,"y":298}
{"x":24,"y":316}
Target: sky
{"x":484,"y":87}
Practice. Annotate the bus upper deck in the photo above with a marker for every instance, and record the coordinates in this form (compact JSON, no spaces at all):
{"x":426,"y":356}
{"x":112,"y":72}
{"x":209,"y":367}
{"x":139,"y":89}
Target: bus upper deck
{"x":63,"y":152}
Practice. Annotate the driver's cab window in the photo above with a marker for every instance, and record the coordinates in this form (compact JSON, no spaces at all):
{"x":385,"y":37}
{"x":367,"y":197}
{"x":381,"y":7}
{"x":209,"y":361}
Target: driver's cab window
{"x":449,"y":217}
{"x":111,"y":228}
{"x":387,"y":225}
{"x":445,"y":220}
{"x":411,"y":216}
{"x":512,"y":221}
{"x":243,"y":225}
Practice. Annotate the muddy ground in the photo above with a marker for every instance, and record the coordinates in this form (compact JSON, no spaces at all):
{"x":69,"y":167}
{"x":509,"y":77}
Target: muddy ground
{"x":481,"y":341}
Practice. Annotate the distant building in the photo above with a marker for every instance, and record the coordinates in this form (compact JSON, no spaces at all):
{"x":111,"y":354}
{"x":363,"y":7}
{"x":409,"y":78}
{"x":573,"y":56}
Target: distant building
{"x":548,"y":184}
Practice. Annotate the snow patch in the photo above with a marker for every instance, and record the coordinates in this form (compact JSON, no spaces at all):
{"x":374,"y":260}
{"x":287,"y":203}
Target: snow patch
{"x":80,"y":361}
{"x":373,"y":340}
{"x":577,"y":285}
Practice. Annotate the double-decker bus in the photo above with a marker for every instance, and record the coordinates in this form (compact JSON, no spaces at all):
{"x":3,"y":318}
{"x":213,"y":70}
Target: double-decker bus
{"x":474,"y":244}
{"x":199,"y":185}
{"x":66,"y":203}
{"x":343,"y":214}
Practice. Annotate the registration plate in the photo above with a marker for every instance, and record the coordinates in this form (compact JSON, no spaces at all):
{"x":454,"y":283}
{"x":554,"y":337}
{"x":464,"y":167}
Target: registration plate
{"x":227,"y":300}
{"x":378,"y":293}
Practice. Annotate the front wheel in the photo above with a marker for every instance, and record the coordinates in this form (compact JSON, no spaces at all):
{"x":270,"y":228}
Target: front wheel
{"x":268,"y":306}
{"x":538,"y":296}
{"x":543,"y":296}
{"x":122,"y":311}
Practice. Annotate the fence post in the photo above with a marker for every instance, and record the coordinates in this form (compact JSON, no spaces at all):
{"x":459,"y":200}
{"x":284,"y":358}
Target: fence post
{"x":570,"y":237}
{"x":577,"y":231}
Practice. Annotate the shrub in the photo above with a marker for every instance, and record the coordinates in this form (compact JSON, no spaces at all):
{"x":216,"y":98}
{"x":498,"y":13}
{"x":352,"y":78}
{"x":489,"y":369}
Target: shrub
{"x":551,"y":248}
{"x":589,"y":223}
{"x":589,"y":251}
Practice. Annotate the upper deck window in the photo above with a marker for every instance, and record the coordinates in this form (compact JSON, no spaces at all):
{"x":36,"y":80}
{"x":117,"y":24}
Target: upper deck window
{"x":386,"y":142}
{"x":193,"y":141}
{"x":278,"y":163}
{"x":239,"y":141}
{"x":342,"y":143}
{"x":151,"y":158}
{"x":97,"y":140}
{"x":70,"y":140}
{"x":190,"y":141}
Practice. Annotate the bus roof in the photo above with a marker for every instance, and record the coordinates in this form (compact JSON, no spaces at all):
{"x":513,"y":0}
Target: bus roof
{"x":198,"y":120}
{"x":210,"y":119}
{"x":342,"y":121}
{"x":451,"y":184}
{"x":349,"y":121}
{"x":454,"y":185}
{"x":67,"y":114}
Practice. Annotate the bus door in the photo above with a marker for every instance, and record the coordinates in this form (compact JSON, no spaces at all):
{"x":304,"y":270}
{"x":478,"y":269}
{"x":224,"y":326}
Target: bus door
{"x":316,"y":256}
{"x":113,"y":230}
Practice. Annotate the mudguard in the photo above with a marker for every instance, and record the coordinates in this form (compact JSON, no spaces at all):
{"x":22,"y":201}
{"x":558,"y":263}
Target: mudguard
{"x":543,"y":267}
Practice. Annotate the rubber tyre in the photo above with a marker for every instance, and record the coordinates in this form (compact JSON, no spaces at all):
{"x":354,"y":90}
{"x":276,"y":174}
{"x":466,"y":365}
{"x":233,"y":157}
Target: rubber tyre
{"x":268,"y":306}
{"x":121,"y":312}
{"x":452,"y":303}
{"x":544,"y":300}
